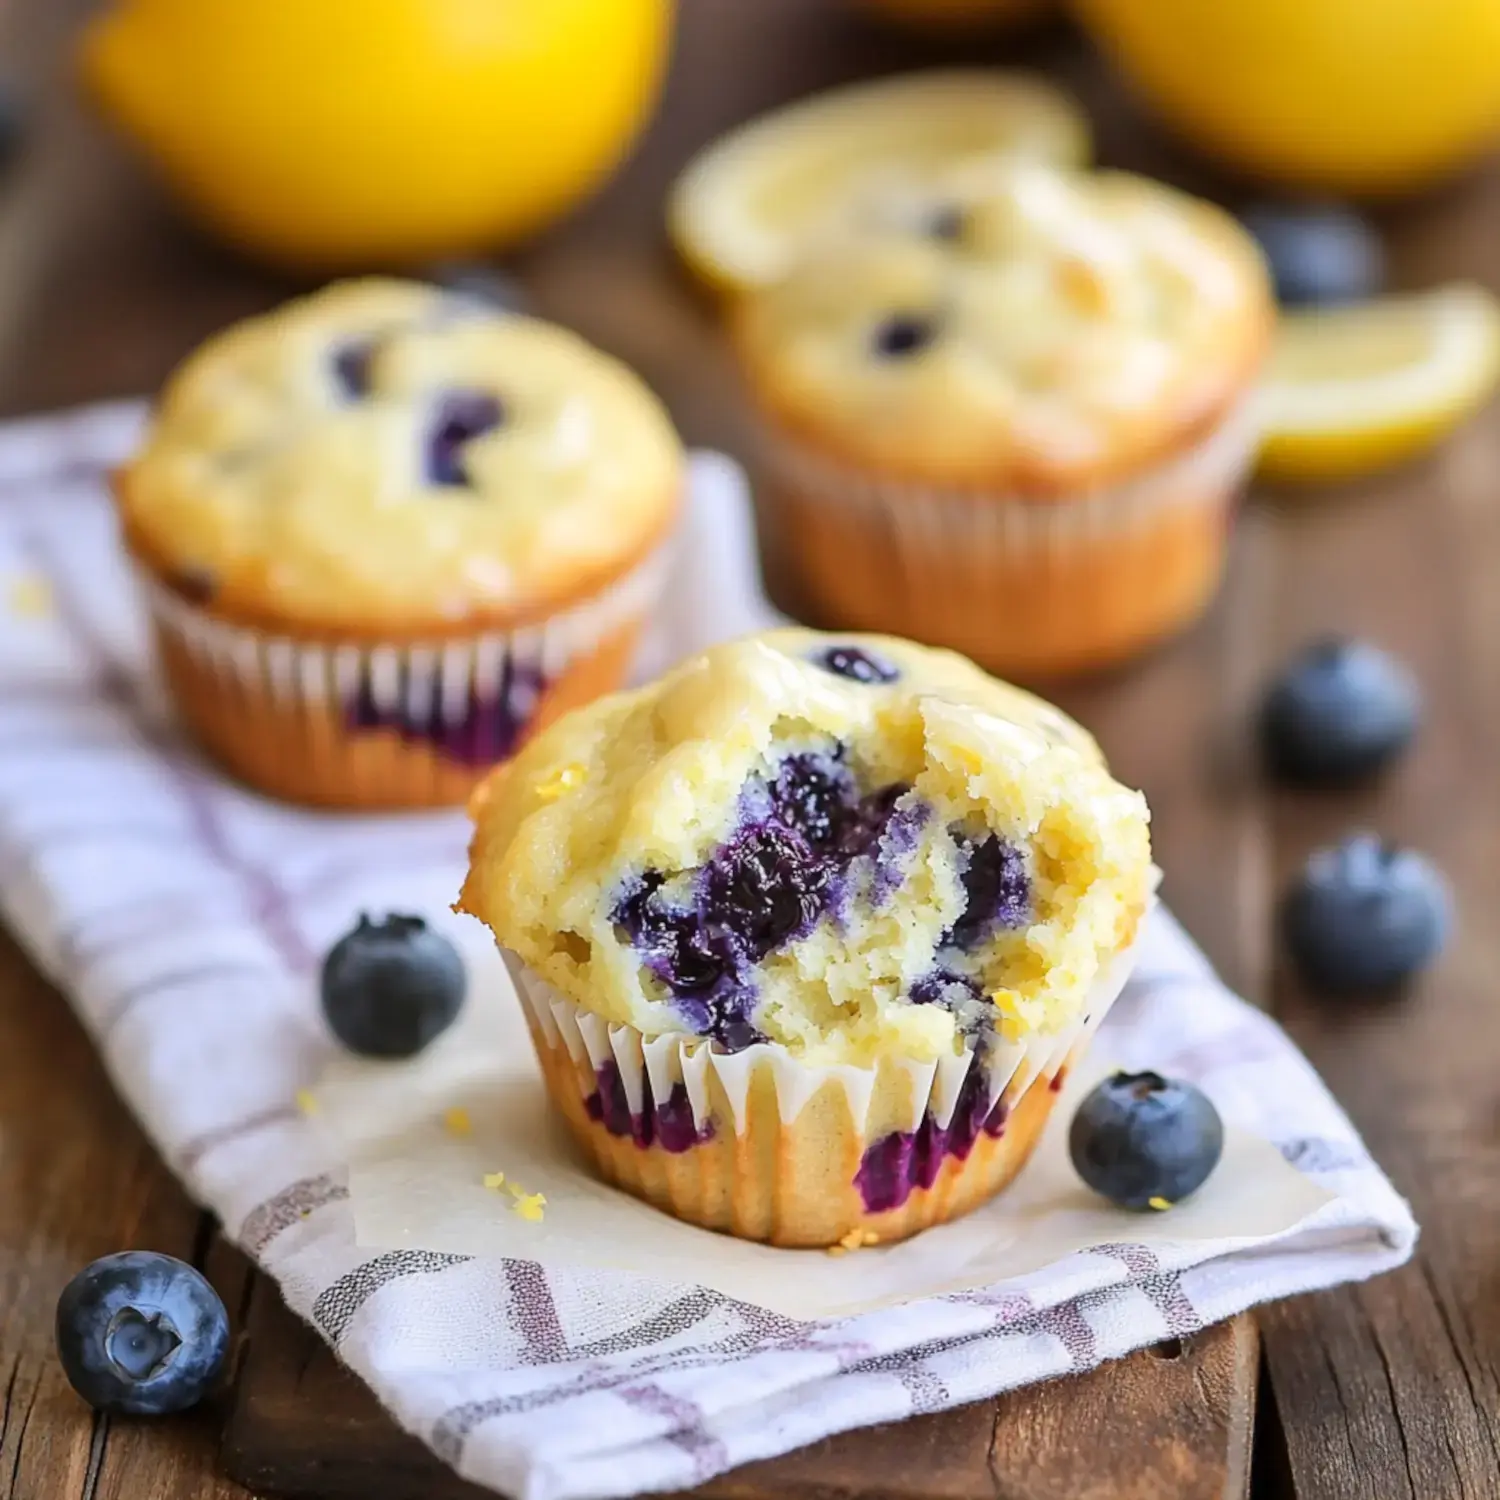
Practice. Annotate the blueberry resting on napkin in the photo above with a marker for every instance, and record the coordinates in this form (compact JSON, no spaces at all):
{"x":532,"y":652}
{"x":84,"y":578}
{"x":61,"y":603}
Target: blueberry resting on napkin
{"x":1145,"y":1141}
{"x":1365,"y":916}
{"x":390,"y":988}
{"x":141,"y":1334}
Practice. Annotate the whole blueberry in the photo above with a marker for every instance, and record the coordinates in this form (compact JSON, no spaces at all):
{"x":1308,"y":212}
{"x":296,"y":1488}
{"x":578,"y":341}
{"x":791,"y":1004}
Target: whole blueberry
{"x":459,"y":417}
{"x":13,"y":123}
{"x":1145,"y":1141}
{"x":947,"y":223}
{"x":141,"y":1334}
{"x":856,"y":664}
{"x":390,"y":987}
{"x":903,"y":335}
{"x":484,"y":286}
{"x":1338,"y":712}
{"x":350,"y":364}
{"x":1319,"y":255}
{"x":1365,"y":916}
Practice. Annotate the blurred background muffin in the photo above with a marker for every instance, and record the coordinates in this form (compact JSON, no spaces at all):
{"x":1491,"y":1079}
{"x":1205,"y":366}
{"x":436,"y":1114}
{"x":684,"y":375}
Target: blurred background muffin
{"x":386,"y":533}
{"x":1012,"y":420}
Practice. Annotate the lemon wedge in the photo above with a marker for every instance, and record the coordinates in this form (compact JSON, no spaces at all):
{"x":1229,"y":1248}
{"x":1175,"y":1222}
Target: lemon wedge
{"x":745,"y":204}
{"x":1355,"y":389}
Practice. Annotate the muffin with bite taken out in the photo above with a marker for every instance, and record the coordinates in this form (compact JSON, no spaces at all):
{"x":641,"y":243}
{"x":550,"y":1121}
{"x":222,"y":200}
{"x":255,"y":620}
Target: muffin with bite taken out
{"x":808,"y":931}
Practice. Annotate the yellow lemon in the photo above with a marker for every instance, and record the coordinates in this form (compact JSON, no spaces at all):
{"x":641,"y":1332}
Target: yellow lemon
{"x":957,"y":15}
{"x":744,"y":206}
{"x":1359,"y":96}
{"x":1355,"y":389}
{"x":340,"y":133}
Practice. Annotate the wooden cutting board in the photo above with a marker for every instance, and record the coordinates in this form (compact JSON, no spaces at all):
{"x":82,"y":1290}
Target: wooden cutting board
{"x":1169,"y":1423}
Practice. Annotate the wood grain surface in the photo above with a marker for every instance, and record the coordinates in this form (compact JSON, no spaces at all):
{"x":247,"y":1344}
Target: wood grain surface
{"x":1174,"y":1420}
{"x":1377,"y":1392}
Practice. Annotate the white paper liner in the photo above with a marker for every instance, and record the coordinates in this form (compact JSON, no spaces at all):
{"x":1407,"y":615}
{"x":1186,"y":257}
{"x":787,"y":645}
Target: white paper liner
{"x":1012,"y":1067}
{"x":1021,"y":584}
{"x":416,"y":1184}
{"x":930,"y":517}
{"x":423,"y":682}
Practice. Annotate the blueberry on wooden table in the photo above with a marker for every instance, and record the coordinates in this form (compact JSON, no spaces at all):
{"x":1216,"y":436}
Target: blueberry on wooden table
{"x":390,"y":988}
{"x":1145,"y":1141}
{"x":12,"y":124}
{"x":1365,"y":916}
{"x":481,"y":284}
{"x":141,"y":1334}
{"x":1319,"y":255}
{"x":1339,"y":712}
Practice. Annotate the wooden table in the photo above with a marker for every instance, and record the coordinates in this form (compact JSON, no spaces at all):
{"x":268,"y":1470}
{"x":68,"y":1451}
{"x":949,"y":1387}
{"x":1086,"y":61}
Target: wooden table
{"x":1381,"y":1391}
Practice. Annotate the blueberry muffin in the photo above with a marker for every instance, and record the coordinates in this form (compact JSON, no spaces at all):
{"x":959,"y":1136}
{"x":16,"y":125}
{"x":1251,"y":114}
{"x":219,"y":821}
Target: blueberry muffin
{"x":387,"y":532}
{"x":808,"y":931}
{"x":1011,"y":419}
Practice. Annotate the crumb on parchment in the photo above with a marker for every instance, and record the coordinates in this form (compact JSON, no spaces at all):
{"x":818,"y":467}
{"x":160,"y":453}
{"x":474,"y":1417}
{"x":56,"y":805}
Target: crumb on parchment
{"x":29,"y":597}
{"x":856,"y":1239}
{"x":528,"y":1205}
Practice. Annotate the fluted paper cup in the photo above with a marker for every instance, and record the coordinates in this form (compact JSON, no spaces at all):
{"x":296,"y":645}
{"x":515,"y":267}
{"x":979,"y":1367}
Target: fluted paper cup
{"x":1025,"y":586}
{"x":764,"y":1146}
{"x":389,"y":724}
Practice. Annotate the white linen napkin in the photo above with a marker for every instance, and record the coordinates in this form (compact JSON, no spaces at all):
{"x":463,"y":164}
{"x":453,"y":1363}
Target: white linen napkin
{"x":185,"y":919}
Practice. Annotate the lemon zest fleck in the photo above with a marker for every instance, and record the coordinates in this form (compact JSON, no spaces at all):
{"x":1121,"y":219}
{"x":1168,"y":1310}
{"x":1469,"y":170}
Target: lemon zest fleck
{"x":1019,"y":1016}
{"x":1161,"y":1205}
{"x":529,"y":1206}
{"x":29,"y":597}
{"x":456,"y":1121}
{"x":561,"y":782}
{"x":495,"y":1180}
{"x":307,"y":1101}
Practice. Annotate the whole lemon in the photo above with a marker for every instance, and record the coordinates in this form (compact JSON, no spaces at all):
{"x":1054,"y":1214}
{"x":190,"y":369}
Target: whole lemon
{"x":339,"y":133}
{"x":1358,"y":96}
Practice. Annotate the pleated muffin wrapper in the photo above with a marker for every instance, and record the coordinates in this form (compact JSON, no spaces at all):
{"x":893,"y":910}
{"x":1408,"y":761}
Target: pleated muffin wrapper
{"x":1022,"y":585}
{"x":764,"y":1146}
{"x":395,"y":724}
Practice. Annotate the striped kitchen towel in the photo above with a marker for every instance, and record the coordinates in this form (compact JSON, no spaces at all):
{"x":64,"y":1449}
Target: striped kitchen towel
{"x":184,"y":918}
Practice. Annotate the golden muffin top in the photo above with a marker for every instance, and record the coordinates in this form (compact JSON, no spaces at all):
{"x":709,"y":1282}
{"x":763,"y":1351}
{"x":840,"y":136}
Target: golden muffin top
{"x":1013,"y":327}
{"x":387,"y":458}
{"x":849,"y":845}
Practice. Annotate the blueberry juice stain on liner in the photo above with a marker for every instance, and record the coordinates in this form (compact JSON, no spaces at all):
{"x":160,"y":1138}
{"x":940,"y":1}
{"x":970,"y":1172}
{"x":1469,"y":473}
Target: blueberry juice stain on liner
{"x":488,"y":727}
{"x":896,"y":1165}
{"x":668,"y":1124}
